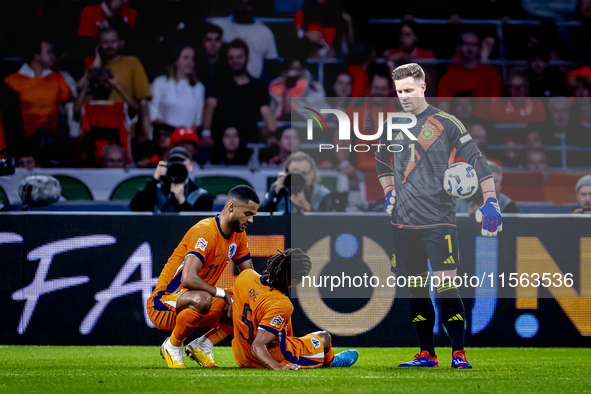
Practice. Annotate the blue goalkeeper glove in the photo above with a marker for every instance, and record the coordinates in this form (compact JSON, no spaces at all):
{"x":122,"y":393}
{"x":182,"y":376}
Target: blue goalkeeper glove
{"x":390,"y":199}
{"x":490,"y":216}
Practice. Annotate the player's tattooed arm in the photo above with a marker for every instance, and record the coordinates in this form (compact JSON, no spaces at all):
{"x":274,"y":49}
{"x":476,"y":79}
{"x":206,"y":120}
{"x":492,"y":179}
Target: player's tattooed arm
{"x":259,"y":351}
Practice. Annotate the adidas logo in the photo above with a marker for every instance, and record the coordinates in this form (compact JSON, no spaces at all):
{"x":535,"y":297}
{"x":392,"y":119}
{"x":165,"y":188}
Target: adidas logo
{"x":399,"y":136}
{"x":456,"y":317}
{"x":418,"y":319}
{"x":450,"y":260}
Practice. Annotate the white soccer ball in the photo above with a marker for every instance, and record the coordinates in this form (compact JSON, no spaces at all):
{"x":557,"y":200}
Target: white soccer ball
{"x":460,"y":181}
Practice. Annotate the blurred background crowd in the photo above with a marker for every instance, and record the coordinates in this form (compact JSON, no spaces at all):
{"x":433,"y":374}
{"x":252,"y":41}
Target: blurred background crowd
{"x":117,"y":84}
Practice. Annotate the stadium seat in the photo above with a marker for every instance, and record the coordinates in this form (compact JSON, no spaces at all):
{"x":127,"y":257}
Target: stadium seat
{"x":560,"y":188}
{"x":523,"y":187}
{"x":126,"y":189}
{"x":329,"y":182}
{"x":216,"y":185}
{"x":73,"y":189}
{"x":270,"y":181}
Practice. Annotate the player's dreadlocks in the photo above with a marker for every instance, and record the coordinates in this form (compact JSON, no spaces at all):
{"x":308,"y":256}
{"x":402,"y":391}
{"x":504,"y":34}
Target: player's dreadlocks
{"x":282,"y":266}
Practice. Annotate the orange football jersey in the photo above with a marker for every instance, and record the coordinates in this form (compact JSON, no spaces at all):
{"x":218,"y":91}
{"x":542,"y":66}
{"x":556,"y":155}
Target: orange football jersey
{"x":208,"y":243}
{"x":257,"y":307}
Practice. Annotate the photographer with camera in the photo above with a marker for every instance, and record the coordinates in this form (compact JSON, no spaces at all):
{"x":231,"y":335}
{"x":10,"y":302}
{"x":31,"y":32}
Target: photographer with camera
{"x":583,"y":189}
{"x":171,"y":190}
{"x":298,"y":189}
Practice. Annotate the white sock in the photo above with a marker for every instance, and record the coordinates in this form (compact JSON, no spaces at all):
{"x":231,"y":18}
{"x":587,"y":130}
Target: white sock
{"x":205,"y":344}
{"x":202,"y":343}
{"x":171,"y":345}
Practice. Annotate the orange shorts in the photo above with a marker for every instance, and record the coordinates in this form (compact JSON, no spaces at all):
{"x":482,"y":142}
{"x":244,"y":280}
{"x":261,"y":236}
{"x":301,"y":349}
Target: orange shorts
{"x":306,"y":351}
{"x":162,"y":310}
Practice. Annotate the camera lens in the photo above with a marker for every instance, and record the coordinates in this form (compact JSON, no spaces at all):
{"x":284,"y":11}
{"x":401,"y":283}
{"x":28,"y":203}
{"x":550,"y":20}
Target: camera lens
{"x":177,"y":172}
{"x":7,"y":166}
{"x":294,"y":182}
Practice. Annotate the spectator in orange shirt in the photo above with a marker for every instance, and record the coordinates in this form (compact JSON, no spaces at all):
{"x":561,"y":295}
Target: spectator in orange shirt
{"x":518,"y":107}
{"x":325,"y":25}
{"x":129,"y":74}
{"x":364,"y":54}
{"x":95,"y":17}
{"x":40,"y":90}
{"x":100,"y":116}
{"x":585,"y":70}
{"x":295,"y":81}
{"x":469,"y":77}
{"x":408,"y":51}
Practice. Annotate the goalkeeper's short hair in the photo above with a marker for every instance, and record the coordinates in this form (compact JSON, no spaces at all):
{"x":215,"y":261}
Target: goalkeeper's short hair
{"x":408,"y":70}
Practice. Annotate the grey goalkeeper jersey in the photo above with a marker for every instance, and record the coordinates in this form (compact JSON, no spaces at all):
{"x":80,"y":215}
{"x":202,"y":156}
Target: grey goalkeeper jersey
{"x":421,"y":201}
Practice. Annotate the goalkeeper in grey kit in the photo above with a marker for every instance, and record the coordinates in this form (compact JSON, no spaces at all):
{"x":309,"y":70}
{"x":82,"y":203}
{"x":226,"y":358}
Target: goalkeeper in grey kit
{"x":423,"y":213}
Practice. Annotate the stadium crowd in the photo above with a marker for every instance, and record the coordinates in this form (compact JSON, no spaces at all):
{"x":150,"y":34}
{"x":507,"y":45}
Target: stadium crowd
{"x":118,"y":83}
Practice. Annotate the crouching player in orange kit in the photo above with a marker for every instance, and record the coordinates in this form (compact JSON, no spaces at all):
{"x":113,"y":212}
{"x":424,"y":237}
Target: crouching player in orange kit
{"x":262,"y":320}
{"x":183,"y":299}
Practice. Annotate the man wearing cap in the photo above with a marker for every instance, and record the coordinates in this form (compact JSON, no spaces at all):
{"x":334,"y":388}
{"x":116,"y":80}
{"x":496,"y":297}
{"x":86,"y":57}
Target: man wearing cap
{"x":583,"y":189}
{"x":187,"y":138}
{"x":160,"y":195}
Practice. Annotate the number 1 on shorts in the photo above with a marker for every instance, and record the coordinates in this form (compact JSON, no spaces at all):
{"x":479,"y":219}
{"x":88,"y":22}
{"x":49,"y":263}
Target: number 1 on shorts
{"x":448,"y":237}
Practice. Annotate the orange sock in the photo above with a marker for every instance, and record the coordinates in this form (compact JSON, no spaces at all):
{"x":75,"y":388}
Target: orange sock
{"x":328,"y":358}
{"x":219,"y":334}
{"x":186,"y":322}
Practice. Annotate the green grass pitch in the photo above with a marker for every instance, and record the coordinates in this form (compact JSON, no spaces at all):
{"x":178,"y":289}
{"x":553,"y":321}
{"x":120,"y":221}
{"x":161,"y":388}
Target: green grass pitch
{"x":104,"y":369}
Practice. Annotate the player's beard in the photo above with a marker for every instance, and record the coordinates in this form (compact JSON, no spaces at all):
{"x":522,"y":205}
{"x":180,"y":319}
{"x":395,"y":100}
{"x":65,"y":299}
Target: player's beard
{"x":236,"y":227}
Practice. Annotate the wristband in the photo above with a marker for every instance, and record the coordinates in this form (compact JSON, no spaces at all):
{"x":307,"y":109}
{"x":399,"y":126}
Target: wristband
{"x":206,"y":133}
{"x":220,"y":293}
{"x":492,"y":193}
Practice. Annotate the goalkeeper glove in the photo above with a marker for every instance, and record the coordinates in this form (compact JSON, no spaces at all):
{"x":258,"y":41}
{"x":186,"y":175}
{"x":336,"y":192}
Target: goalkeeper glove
{"x":490,"y":216}
{"x":390,"y":199}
